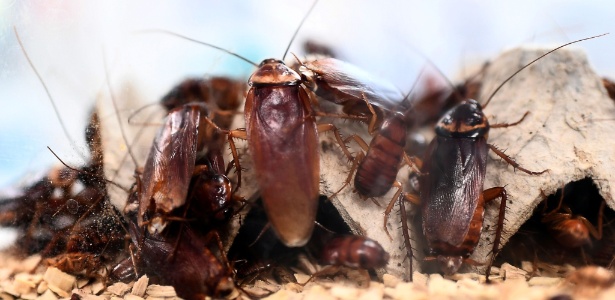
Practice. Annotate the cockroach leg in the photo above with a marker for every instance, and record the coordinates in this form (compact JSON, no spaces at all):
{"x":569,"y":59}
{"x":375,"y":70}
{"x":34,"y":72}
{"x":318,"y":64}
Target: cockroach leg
{"x":338,"y":137}
{"x":405,"y":233}
{"x":240,"y":134}
{"x":371,"y":128}
{"x":353,"y":169}
{"x":512,"y":162}
{"x":489,"y":195}
{"x":504,"y":125}
{"x":389,"y":208}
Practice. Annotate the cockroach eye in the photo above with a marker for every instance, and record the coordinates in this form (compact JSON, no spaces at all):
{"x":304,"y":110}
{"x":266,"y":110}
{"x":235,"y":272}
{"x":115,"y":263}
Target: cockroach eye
{"x":448,"y":120}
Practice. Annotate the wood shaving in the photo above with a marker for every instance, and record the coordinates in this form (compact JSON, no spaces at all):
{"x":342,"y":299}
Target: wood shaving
{"x":140,"y":286}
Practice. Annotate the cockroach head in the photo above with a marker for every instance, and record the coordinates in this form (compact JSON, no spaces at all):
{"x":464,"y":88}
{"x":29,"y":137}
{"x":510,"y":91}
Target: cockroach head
{"x":449,"y":265}
{"x":273,"y":72}
{"x":463,"y":121}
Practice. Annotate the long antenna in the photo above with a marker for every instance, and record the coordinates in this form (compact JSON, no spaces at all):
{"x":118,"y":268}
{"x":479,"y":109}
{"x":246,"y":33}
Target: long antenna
{"x":433,"y":64}
{"x":533,"y":61}
{"x":53,"y":104}
{"x":299,"y":27}
{"x":171,"y":33}
{"x":117,"y":111}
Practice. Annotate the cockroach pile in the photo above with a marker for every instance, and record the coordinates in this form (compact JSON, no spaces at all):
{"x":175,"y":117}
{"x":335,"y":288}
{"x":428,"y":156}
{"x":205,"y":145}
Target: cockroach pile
{"x":211,"y":215}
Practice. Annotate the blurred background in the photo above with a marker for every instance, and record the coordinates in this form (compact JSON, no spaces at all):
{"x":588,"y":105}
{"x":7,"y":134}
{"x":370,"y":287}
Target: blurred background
{"x":67,"y":41}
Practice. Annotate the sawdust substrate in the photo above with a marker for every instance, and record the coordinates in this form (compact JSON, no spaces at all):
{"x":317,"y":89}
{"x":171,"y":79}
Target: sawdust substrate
{"x":29,"y":279}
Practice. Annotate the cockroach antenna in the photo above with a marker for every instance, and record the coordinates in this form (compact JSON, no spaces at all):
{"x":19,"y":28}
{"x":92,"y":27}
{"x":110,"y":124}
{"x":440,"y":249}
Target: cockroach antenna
{"x":535,"y":60}
{"x":163,"y":31}
{"x":53,"y":104}
{"x":298,"y":28}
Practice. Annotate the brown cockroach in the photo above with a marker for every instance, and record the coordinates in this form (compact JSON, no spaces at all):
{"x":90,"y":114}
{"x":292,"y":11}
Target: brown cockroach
{"x":67,"y":213}
{"x":173,"y":155}
{"x":86,"y":264}
{"x":452,"y":198}
{"x":222,"y":95}
{"x":355,"y":89}
{"x":181,"y":258}
{"x":282,"y":136}
{"x":354,"y":252}
{"x":568,"y":229}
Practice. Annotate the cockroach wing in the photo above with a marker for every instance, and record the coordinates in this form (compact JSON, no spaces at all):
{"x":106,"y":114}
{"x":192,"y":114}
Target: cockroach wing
{"x":451,"y":187}
{"x":345,"y":84}
{"x":283,"y":141}
{"x":170,"y":163}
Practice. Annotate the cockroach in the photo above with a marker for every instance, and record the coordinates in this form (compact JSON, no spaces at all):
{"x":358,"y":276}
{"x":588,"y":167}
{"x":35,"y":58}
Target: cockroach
{"x":222,"y":95}
{"x":452,"y":199}
{"x":67,"y":214}
{"x":282,"y":136}
{"x":170,"y":166}
{"x":77,"y":263}
{"x":182,"y":259}
{"x":354,"y":252}
{"x":355,"y":89}
{"x":570,"y":230}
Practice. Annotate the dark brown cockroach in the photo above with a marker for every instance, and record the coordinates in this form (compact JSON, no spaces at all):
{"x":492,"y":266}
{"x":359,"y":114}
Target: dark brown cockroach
{"x":452,"y":199}
{"x":222,"y":96}
{"x":568,"y":229}
{"x":67,"y":214}
{"x":170,"y":166}
{"x":181,"y":258}
{"x":282,"y":136}
{"x":181,"y":197}
{"x":354,"y":252}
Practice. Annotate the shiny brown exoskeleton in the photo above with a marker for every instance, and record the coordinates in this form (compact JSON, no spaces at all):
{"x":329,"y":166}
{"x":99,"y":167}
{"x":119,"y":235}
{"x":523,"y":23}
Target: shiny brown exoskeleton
{"x":171,"y":165}
{"x":355,"y":89}
{"x":181,"y":258}
{"x":568,"y":229}
{"x":451,"y":188}
{"x":452,"y":198}
{"x":451,"y":185}
{"x":354,"y":252}
{"x":182,"y":197}
{"x":282,"y":137}
{"x":222,"y":96}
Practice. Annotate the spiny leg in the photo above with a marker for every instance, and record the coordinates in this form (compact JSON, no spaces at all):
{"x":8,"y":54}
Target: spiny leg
{"x":338,"y":137}
{"x":489,"y":195}
{"x":240,"y":134}
{"x":355,"y":164}
{"x":406,"y":235}
{"x":355,"y":161}
{"x":408,"y":197}
{"x":512,"y":162}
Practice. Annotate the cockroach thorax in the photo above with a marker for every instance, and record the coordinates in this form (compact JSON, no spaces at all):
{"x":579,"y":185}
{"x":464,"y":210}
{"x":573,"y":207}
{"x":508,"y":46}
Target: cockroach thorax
{"x":274,"y":72}
{"x":466,"y":120}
